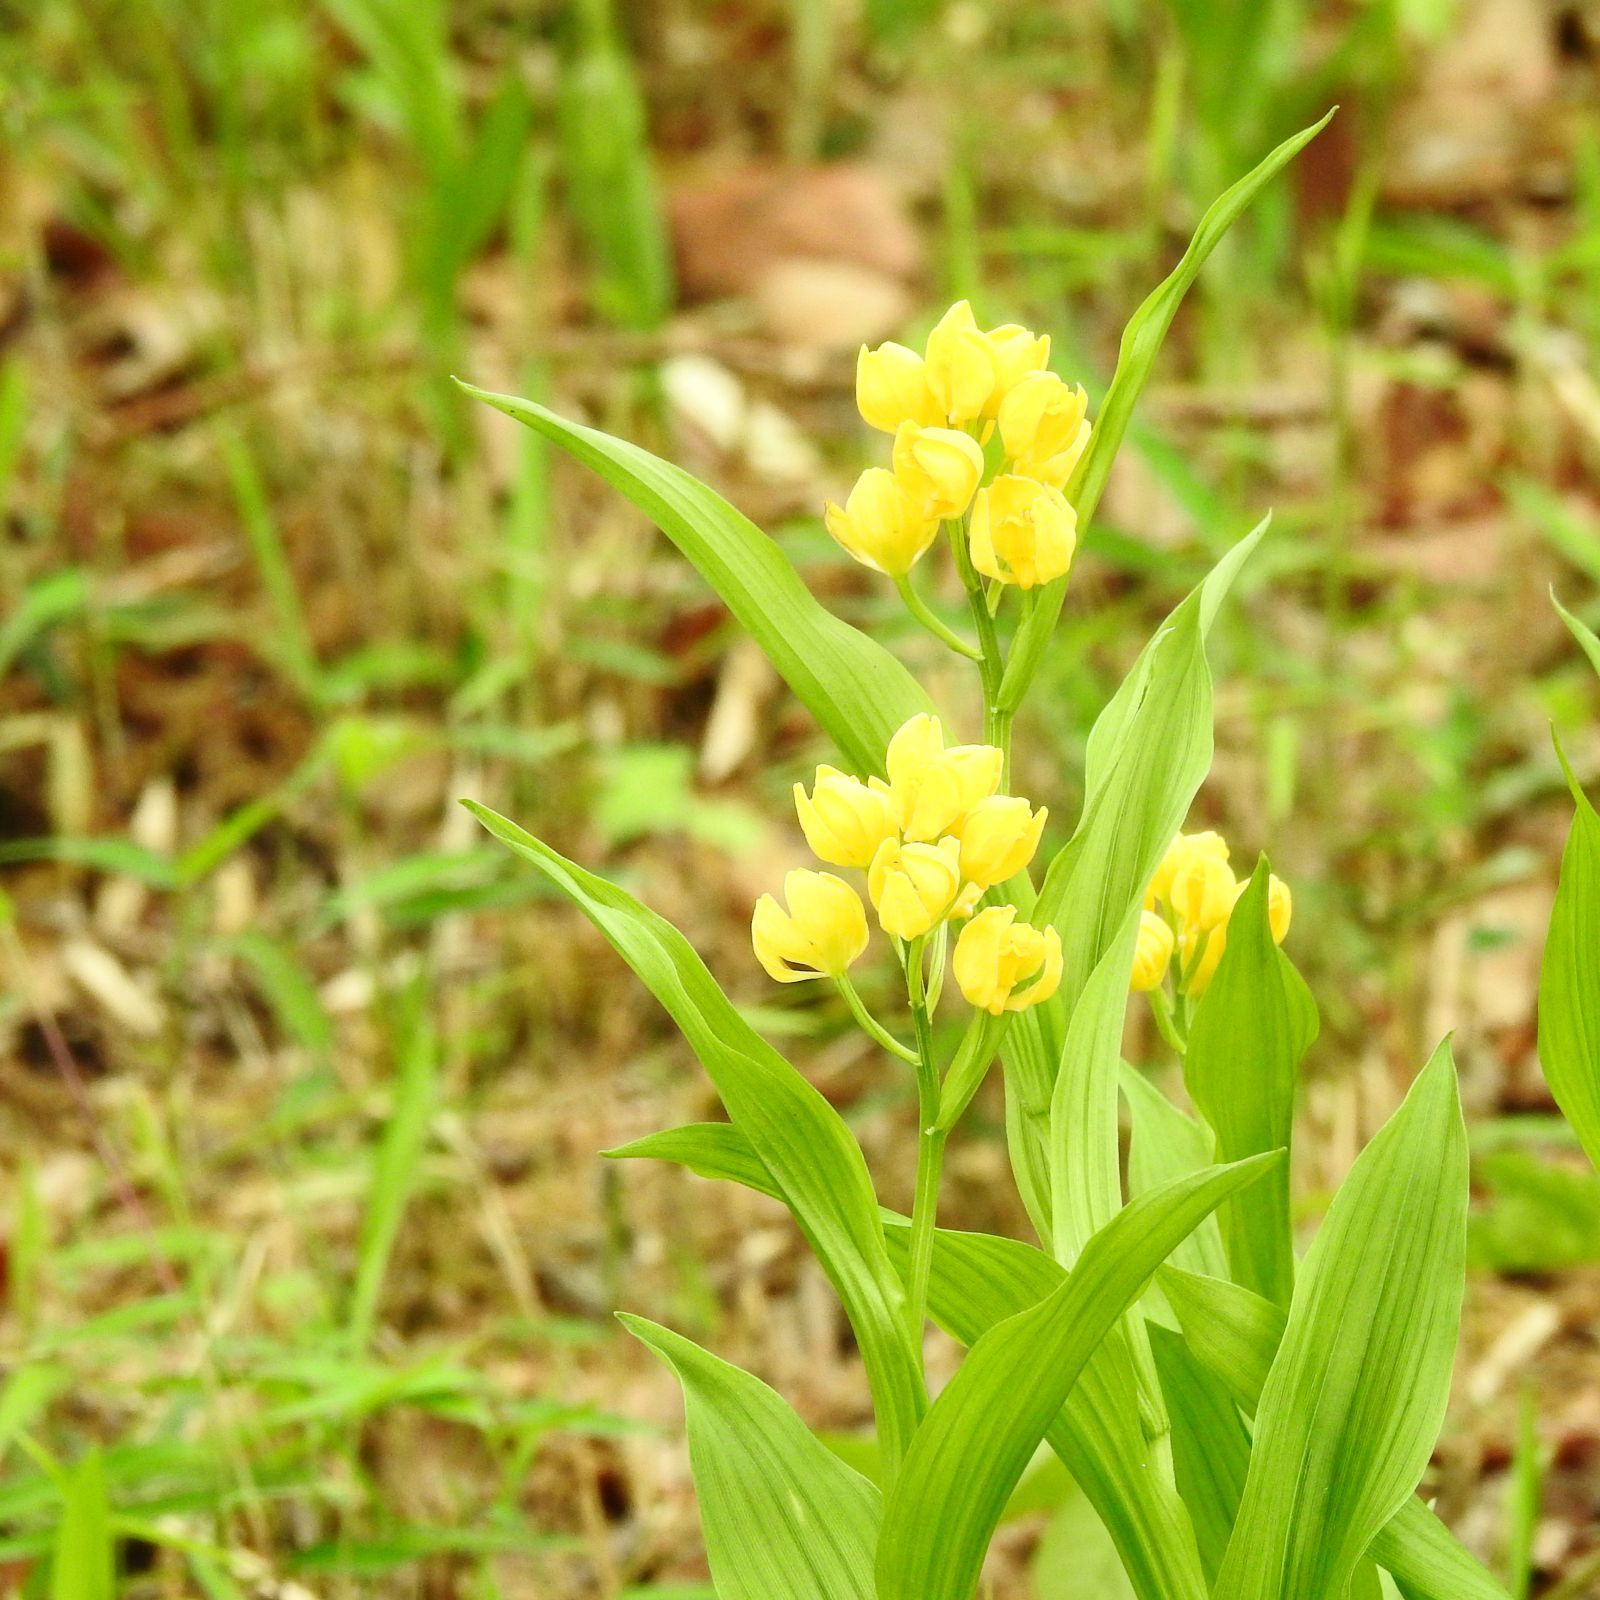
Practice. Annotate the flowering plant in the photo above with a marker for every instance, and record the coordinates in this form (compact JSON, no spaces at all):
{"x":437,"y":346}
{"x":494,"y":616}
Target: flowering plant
{"x":1150,"y":1320}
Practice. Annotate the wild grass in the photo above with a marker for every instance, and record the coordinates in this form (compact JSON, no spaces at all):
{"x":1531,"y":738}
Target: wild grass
{"x":304,"y":1281}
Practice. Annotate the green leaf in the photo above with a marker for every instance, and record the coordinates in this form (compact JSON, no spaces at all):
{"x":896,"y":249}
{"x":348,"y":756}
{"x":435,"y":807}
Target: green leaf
{"x":1149,"y":752}
{"x":1142,"y":339}
{"x":1234,"y":1331}
{"x":856,"y":689}
{"x":1210,"y":1446}
{"x":1584,"y":635}
{"x":1357,"y":1392}
{"x":784,"y":1517}
{"x":1236,"y":1334}
{"x":1569,"y":981}
{"x":1251,"y":1032}
{"x":800,"y":1139}
{"x":979,"y":1280}
{"x":1085,"y":1169}
{"x":84,"y":1567}
{"x":1166,"y":1143}
{"x":711,"y":1149}
{"x":980,"y":1433}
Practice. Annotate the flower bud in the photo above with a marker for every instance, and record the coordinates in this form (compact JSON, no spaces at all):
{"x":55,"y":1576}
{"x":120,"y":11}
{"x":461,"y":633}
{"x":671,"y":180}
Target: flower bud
{"x":1183,"y":846}
{"x":880,"y":525}
{"x":913,"y":886}
{"x":1152,"y":953}
{"x":822,"y":932}
{"x":1280,"y":908}
{"x":998,"y":838}
{"x":934,"y":788}
{"x":1017,"y":352}
{"x":843,"y":819}
{"x":1043,"y":427}
{"x":1202,"y":891}
{"x":892,"y":387}
{"x":996,"y":952}
{"x":966,"y":902}
{"x":938,"y":467}
{"x":1200,"y":965}
{"x":1022,"y":532}
{"x":961,"y":369}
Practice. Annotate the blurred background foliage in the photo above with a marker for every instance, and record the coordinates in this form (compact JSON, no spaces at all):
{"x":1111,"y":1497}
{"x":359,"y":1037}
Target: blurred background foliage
{"x":308,"y":1261}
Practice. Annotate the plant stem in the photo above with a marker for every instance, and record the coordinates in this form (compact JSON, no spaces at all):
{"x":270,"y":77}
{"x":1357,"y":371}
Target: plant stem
{"x":930,"y":1153}
{"x":991,"y":668}
{"x":870,"y":1024}
{"x":918,"y":607}
{"x":1166,"y":1022}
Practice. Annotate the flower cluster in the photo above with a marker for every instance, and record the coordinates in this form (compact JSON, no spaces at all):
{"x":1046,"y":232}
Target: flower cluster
{"x":984,"y":438}
{"x":1186,"y":912}
{"x":931,"y":840}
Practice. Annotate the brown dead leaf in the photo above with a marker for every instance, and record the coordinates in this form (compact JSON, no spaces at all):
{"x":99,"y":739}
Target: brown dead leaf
{"x":729,"y":230}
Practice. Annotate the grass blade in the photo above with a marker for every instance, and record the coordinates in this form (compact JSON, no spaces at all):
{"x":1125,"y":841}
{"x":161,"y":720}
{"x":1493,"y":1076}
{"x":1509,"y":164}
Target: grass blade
{"x":1569,"y":980}
{"x":394,"y":1170}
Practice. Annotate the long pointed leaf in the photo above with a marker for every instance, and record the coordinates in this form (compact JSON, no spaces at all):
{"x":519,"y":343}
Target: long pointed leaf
{"x":1148,"y":755}
{"x":1357,"y":1391}
{"x":784,"y":1518}
{"x":1235,"y":1334}
{"x":1569,"y":981}
{"x":976,"y":1439}
{"x":1249,"y":1036}
{"x":977,"y":1281}
{"x":709,"y":1149}
{"x":801,"y":1139}
{"x":1141,"y":344}
{"x":1167,"y":1143}
{"x":853,"y":686}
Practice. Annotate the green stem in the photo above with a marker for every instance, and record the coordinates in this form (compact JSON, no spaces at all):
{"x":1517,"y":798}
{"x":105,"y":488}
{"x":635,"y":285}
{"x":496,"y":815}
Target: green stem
{"x":1166,"y":1022}
{"x":991,"y":668}
{"x":930,"y":1154}
{"x":870,"y":1024}
{"x":918,"y":607}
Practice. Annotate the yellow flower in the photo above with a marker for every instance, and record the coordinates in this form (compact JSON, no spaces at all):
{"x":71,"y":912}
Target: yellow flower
{"x":822,"y":932}
{"x":843,"y":819}
{"x":961,"y":367}
{"x":1183,"y":846}
{"x":1043,"y":427}
{"x":938,"y":467}
{"x":996,"y":952}
{"x":966,"y":902}
{"x":1018,"y":353}
{"x":880,"y":525}
{"x":892,"y":387}
{"x":998,"y":838}
{"x":1152,"y":953}
{"x":1280,"y":908}
{"x":913,"y":886}
{"x":934,"y":788}
{"x":1200,"y":966}
{"x":1023,"y":531}
{"x":1202,"y":890}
